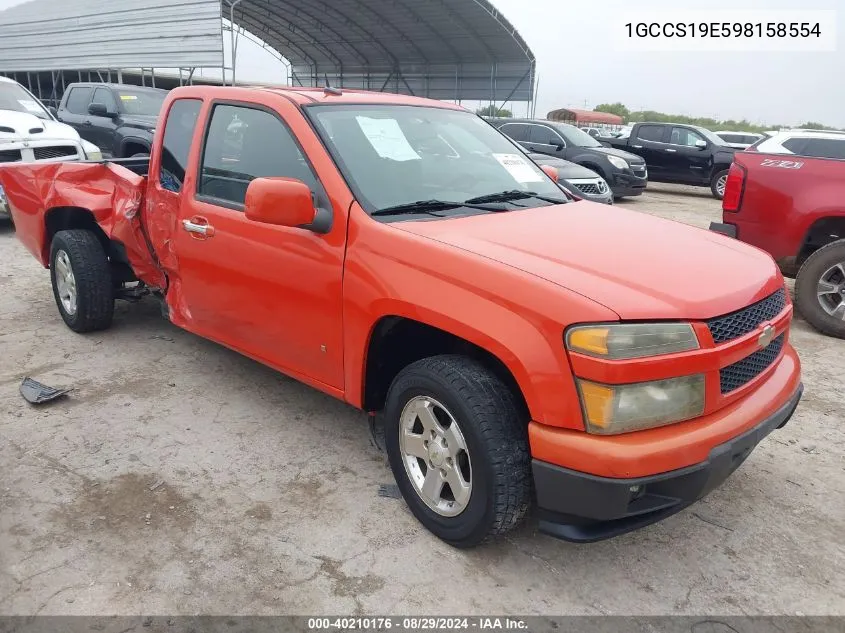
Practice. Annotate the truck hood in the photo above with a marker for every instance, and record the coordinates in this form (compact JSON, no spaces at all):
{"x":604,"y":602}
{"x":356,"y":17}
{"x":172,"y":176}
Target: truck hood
{"x":140,"y":121}
{"x":29,"y":126}
{"x":632,"y":159}
{"x":639,"y":266}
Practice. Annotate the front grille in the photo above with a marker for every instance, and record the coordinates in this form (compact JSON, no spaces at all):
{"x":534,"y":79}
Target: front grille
{"x":741,"y":372}
{"x":45,"y":153}
{"x":588,"y":189}
{"x":10,"y":155}
{"x":730,"y":326}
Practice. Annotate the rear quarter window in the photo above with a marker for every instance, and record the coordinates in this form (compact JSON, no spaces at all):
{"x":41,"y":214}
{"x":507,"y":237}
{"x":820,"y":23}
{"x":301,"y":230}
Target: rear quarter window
{"x":176,"y":145}
{"x":652,"y":133}
{"x":817,"y":147}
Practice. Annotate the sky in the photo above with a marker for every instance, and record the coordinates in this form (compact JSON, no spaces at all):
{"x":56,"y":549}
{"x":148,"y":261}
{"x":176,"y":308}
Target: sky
{"x":579,"y":62}
{"x":576,"y":43}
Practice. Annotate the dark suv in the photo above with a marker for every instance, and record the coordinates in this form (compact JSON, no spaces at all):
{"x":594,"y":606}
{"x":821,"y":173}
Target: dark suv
{"x":624,"y":172}
{"x":119,"y":119}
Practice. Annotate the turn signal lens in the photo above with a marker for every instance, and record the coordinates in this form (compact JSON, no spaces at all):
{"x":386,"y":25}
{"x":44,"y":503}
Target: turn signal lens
{"x":620,"y":341}
{"x":613,"y":409}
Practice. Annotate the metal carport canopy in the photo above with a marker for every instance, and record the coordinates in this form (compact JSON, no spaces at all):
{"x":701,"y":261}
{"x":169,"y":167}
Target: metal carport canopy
{"x":443,"y":49}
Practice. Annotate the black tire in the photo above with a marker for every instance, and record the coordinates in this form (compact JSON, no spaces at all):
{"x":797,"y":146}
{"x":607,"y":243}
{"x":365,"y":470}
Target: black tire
{"x":496,"y":438}
{"x":93,"y":280}
{"x":806,"y":284}
{"x":714,"y":181}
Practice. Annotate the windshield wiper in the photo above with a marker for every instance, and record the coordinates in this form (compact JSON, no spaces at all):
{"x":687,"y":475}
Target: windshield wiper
{"x":429,"y":206}
{"x":515,"y":194}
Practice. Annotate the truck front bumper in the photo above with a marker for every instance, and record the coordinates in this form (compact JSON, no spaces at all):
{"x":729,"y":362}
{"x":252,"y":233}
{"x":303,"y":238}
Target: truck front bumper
{"x":583,"y":508}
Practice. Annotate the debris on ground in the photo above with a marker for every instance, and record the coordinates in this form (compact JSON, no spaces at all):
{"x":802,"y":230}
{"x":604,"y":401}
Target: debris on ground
{"x":35,"y":392}
{"x":158,"y":484}
{"x":389,"y":491}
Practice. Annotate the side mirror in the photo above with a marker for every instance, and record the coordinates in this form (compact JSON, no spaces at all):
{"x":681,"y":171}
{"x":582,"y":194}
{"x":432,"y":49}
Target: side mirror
{"x":557,"y":145}
{"x":550,"y":171}
{"x":52,"y":110}
{"x":701,"y":144}
{"x":100,"y":109}
{"x":279,"y":201}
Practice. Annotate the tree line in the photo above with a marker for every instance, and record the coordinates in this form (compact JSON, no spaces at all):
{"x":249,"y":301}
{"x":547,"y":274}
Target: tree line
{"x":636,"y":116}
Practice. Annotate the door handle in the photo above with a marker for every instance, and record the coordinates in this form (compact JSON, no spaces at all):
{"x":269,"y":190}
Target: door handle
{"x":198,"y":226}
{"x":86,"y":122}
{"x":671,"y":151}
{"x":637,"y":146}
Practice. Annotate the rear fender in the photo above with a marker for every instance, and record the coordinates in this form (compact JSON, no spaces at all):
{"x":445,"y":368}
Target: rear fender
{"x":110,"y":193}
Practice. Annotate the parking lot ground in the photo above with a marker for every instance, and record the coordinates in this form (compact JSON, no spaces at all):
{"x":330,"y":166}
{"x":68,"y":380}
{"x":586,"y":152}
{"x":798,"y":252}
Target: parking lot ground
{"x":180,"y":477}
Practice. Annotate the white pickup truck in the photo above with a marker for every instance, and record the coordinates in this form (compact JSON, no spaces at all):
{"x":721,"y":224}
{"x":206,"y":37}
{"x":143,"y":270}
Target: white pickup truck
{"x":30,"y":133}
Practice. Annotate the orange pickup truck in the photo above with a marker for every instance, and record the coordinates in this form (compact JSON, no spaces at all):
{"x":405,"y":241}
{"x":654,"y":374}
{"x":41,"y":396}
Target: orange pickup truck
{"x":519,"y":346}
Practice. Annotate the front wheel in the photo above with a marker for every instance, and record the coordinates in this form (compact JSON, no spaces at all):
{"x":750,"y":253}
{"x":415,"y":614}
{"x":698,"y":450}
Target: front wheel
{"x":82,"y":281}
{"x":718,"y":183}
{"x":820,"y":289}
{"x":458,"y":448}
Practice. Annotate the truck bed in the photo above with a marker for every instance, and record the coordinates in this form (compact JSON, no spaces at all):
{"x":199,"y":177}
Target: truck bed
{"x":43,"y":195}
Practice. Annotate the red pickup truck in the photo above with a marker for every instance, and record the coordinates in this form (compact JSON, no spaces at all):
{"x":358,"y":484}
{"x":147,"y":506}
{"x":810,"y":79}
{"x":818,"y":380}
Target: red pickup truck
{"x":793,"y":207}
{"x":401,"y":254}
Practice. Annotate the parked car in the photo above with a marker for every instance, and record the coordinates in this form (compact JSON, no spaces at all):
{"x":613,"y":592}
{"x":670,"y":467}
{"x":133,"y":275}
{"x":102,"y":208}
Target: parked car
{"x":678,"y":153}
{"x":595,"y":132}
{"x":30,"y":133}
{"x":739,"y":140}
{"x":514,"y":346}
{"x":119,"y":119}
{"x":812,"y":143}
{"x":792,"y":208}
{"x":580,"y":181}
{"x":625,"y":172}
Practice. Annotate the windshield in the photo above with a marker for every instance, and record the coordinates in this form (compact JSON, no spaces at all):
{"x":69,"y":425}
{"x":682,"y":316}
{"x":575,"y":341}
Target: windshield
{"x":577,"y":137}
{"x":141,"y":102}
{"x":400,"y":155}
{"x":710,"y":136}
{"x":15,"y":98}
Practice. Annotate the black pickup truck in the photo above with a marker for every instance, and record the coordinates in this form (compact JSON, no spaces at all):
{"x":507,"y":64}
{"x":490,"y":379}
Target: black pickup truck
{"x":684,"y":154}
{"x":119,"y":119}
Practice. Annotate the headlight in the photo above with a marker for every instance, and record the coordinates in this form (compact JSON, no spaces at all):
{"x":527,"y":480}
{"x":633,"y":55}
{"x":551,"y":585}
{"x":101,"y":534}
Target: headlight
{"x":620,"y":341}
{"x":612,"y":409}
{"x":92,"y":152}
{"x":617,"y":162}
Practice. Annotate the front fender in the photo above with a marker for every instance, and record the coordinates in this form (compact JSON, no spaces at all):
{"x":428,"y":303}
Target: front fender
{"x":516,"y":317}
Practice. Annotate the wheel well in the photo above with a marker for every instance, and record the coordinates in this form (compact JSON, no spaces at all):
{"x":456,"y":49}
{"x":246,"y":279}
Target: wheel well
{"x":821,"y":233}
{"x":396,"y":342}
{"x":67,"y":218}
{"x":131,"y":148}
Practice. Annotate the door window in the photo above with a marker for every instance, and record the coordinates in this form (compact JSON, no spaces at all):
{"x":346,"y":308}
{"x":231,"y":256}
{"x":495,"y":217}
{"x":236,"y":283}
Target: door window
{"x":105,"y":96}
{"x":176,"y":145}
{"x":78,"y":100}
{"x":517,"y":131}
{"x":246,"y":143}
{"x":817,"y":147}
{"x":545,"y":136}
{"x":684,"y":136}
{"x":653,"y":133}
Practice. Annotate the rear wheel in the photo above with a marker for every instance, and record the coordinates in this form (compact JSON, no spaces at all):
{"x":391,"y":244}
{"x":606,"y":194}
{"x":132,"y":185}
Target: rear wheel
{"x":820,"y":289}
{"x":718,"y":183}
{"x":82,"y":281}
{"x":458,"y":448}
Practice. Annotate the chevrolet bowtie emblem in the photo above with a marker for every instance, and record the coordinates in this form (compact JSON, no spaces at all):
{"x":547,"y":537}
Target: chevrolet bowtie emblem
{"x":766,"y":337}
